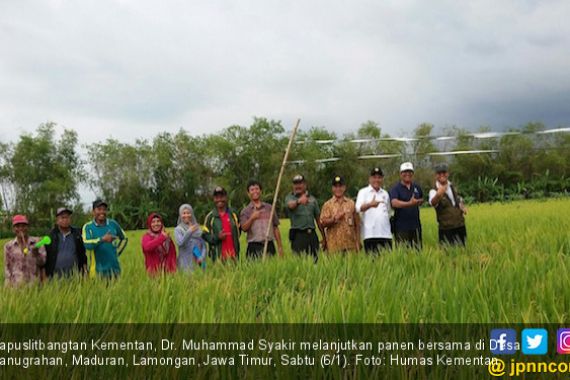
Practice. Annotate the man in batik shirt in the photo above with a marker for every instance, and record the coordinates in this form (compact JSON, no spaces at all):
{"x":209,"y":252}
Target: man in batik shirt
{"x":340,"y":220}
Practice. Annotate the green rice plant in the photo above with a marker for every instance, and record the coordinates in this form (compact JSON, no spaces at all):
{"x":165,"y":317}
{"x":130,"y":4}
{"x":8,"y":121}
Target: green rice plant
{"x":514,"y":269}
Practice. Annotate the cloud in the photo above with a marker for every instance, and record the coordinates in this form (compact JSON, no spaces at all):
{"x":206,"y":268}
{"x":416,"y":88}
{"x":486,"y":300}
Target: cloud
{"x":135,"y":68}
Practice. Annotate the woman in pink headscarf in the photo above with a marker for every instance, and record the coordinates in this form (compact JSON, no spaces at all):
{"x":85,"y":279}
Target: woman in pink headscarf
{"x":158,"y":248}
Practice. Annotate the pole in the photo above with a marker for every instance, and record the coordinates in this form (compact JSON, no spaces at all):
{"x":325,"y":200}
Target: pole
{"x":276,"y":194}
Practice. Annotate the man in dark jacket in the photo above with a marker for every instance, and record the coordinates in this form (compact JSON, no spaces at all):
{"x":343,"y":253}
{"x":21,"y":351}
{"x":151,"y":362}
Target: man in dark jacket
{"x":449,"y":208}
{"x":66,"y":253}
{"x":222,"y":228}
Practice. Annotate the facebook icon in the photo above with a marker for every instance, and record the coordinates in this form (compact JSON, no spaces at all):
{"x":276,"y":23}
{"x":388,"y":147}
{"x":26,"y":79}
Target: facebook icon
{"x":503,"y":341}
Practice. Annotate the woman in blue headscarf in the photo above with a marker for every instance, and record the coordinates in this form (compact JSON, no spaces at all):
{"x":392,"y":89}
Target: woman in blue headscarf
{"x":188,"y":235}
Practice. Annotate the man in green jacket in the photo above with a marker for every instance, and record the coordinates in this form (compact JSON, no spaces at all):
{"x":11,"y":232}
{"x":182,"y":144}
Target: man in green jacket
{"x":449,"y":208}
{"x":304,"y":212}
{"x":222,"y":228}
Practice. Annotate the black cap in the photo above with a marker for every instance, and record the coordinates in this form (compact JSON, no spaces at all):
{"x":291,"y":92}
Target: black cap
{"x":441,"y":167}
{"x":220,"y":191}
{"x":338,"y":180}
{"x":99,"y":202}
{"x":62,"y":210}
{"x":377,"y":171}
{"x":298,"y":178}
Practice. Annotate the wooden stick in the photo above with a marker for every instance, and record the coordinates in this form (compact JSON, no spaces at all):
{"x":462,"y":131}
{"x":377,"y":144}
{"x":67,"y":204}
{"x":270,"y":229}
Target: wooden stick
{"x":276,"y":194}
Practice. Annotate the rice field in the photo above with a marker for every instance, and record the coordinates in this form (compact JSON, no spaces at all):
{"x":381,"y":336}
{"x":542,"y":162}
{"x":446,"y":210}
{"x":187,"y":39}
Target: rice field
{"x":515,"y":269}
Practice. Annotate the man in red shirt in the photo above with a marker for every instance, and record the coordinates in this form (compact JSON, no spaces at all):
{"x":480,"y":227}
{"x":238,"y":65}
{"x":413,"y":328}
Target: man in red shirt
{"x":222,"y":228}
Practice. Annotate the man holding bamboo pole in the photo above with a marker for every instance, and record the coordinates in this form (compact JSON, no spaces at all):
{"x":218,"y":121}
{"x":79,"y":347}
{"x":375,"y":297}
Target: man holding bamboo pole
{"x":254,"y":220}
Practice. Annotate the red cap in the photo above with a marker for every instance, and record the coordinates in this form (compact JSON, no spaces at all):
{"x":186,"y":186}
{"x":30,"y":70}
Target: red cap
{"x":19,"y":219}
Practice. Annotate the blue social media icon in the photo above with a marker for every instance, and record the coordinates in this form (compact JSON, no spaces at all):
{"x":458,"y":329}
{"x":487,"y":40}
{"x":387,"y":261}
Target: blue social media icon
{"x":503,"y":341}
{"x":534,"y":341}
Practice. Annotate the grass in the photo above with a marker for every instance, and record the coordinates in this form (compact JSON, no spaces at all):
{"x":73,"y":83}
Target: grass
{"x":515,"y":269}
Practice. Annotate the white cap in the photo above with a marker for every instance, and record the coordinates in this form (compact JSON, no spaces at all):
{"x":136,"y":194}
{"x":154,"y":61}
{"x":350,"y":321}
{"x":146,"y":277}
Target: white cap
{"x":406,"y":166}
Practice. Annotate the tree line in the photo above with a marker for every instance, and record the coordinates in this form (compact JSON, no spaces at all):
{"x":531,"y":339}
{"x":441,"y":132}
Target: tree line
{"x":41,"y":171}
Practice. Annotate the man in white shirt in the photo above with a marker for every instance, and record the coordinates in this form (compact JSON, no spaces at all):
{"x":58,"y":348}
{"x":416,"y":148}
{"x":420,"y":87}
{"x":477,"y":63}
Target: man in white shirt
{"x":449,"y":208}
{"x":373,"y":204}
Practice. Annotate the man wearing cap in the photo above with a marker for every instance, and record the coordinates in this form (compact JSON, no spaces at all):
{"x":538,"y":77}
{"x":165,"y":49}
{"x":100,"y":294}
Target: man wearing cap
{"x":222,"y":228}
{"x":66,"y":252}
{"x":303,"y":211}
{"x":340,"y":220}
{"x":101,"y":237}
{"x":254,"y":220}
{"x":406,"y":197}
{"x":373,"y":203}
{"x":23,"y":261}
{"x":449,"y":208}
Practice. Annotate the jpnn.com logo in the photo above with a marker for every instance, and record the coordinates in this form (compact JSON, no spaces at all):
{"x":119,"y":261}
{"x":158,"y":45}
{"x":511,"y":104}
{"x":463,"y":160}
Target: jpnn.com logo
{"x":504,"y":342}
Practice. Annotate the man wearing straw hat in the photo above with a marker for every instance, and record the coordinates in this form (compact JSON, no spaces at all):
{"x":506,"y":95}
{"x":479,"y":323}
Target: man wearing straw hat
{"x":23,"y":261}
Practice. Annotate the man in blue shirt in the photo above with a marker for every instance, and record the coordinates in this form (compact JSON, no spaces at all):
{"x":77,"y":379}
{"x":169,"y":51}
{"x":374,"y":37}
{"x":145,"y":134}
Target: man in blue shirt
{"x":66,"y":252}
{"x":101,"y":237}
{"x":406,"y":197}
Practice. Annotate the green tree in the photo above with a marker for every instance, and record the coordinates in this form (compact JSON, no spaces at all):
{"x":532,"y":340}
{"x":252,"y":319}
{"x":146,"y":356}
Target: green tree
{"x":45,"y":173}
{"x":123,"y":176}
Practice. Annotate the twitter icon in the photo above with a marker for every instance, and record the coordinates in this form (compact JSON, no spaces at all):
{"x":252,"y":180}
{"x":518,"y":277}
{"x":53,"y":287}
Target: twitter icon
{"x":534,"y":341}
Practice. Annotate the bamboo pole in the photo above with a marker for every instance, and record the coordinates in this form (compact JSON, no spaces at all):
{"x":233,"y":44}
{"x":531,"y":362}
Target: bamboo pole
{"x":276,"y":194}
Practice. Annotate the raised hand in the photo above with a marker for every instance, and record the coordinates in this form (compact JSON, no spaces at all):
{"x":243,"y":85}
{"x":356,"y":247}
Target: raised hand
{"x":374,"y":203}
{"x":108,"y":238}
{"x":338,"y":217}
{"x":442,"y":189}
{"x":256,"y":214}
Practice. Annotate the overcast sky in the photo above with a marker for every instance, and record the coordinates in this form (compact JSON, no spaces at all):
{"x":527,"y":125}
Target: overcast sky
{"x":135,"y":68}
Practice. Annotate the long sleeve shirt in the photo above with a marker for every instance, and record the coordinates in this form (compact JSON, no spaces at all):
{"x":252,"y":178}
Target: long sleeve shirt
{"x":103,"y":256}
{"x":187,"y":240}
{"x":156,"y":257}
{"x":21,"y":267}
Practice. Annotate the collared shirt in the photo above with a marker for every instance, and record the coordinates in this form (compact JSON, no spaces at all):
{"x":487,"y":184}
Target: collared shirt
{"x":408,"y":218}
{"x":376,"y":220}
{"x":303,"y":216}
{"x":449,"y":192}
{"x":258,"y":228}
{"x":20,"y":267}
{"x":103,"y":255}
{"x":66,"y":260}
{"x":341,"y":235}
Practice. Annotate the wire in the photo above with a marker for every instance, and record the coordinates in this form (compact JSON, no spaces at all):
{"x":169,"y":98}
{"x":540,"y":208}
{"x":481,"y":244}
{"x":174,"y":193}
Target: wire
{"x":481,"y":135}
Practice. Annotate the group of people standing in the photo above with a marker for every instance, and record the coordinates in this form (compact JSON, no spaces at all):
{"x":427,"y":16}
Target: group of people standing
{"x":374,"y":222}
{"x":378,"y":218}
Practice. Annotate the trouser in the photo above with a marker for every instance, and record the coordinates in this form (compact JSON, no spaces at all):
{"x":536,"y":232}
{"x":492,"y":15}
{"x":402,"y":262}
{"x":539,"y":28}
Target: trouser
{"x":453,"y":236}
{"x":255,"y":249}
{"x":375,"y":245}
{"x":411,"y":238}
{"x":304,"y":241}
